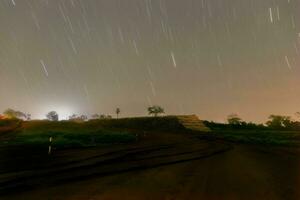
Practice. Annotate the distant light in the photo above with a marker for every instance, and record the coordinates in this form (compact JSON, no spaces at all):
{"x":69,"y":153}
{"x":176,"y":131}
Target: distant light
{"x":63,"y":112}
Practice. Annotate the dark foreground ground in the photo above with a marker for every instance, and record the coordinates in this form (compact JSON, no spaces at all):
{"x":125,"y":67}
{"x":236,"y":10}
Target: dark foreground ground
{"x":158,"y":166}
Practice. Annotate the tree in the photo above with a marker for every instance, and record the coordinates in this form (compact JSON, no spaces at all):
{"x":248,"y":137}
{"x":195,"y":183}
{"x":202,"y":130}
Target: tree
{"x":14,"y":114}
{"x":78,"y":118}
{"x":297,"y":114}
{"x":52,"y":116}
{"x":28,"y":116}
{"x":155,"y":110}
{"x":103,"y":116}
{"x":108,"y":117}
{"x":83,"y":117}
{"x":118,"y":111}
{"x":234,"y":119}
{"x":95,"y":116}
{"x":278,"y":121}
{"x":72,"y":117}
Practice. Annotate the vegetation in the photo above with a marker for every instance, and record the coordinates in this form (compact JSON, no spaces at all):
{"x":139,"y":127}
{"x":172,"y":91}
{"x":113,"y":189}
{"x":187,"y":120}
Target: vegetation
{"x":234,"y":119}
{"x":88,"y":133}
{"x":155,"y":110}
{"x":102,"y":116}
{"x":230,"y":127}
{"x":72,"y":139}
{"x":102,"y":129}
{"x":95,"y":116}
{"x":271,"y":137}
{"x":52,"y":116}
{"x":67,"y":134}
{"x":275,"y":122}
{"x":15,"y":114}
{"x":279,"y":130}
{"x":118,"y":111}
{"x":297,"y":115}
{"x":78,"y":118}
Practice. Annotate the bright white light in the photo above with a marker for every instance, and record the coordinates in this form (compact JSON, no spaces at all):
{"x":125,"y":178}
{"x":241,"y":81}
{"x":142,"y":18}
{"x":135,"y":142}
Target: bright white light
{"x":63,"y":112}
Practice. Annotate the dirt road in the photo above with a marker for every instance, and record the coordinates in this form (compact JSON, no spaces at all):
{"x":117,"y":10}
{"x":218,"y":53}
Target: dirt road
{"x":159,"y":166}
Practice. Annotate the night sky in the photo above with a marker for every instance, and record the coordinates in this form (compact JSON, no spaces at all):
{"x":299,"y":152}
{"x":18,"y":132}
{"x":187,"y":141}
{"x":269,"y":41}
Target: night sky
{"x":205,"y":57}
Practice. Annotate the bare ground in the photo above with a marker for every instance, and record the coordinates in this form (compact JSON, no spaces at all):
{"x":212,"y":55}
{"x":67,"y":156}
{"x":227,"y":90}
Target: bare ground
{"x":158,"y":166}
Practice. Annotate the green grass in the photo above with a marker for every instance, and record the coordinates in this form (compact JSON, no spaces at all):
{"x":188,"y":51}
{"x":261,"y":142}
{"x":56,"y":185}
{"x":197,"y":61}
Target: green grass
{"x":72,"y":139}
{"x":271,"y":137}
{"x":91,"y":133}
{"x":111,"y":131}
{"x":66,"y":134}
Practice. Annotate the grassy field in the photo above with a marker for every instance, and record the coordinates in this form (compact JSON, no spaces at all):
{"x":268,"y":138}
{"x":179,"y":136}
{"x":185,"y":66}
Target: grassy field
{"x":112,"y":131}
{"x":270,"y":137}
{"x":65,"y":134}
{"x":85,"y":134}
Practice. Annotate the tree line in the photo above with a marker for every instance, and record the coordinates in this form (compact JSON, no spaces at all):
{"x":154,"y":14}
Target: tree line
{"x":234,"y":121}
{"x":278,"y":122}
{"x":54,"y":116}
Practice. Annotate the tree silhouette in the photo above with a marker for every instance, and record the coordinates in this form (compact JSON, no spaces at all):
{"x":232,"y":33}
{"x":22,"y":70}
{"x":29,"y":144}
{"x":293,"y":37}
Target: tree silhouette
{"x":234,"y":119}
{"x":118,"y":111}
{"x":74,"y":116}
{"x":52,"y":116}
{"x":155,"y":110}
{"x":28,"y":116}
{"x":78,"y":118}
{"x":278,"y":121}
{"x":14,"y":114}
{"x":95,"y":116}
{"x":297,"y":114}
{"x":83,"y":117}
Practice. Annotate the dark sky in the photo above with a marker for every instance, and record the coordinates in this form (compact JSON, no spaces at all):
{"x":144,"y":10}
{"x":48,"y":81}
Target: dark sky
{"x":208,"y":57}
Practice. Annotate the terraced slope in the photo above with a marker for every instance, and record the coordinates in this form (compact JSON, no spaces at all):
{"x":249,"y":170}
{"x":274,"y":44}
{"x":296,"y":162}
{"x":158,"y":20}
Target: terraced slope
{"x":192,"y":122}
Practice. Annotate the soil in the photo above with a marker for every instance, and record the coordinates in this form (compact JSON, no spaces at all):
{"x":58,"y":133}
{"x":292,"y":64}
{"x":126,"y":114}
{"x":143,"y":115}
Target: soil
{"x":158,"y":166}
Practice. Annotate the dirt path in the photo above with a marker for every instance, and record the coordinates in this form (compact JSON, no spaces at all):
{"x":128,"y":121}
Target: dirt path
{"x":168,"y":166}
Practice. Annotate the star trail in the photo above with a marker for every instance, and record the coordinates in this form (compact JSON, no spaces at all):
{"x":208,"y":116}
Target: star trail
{"x":204,"y":57}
